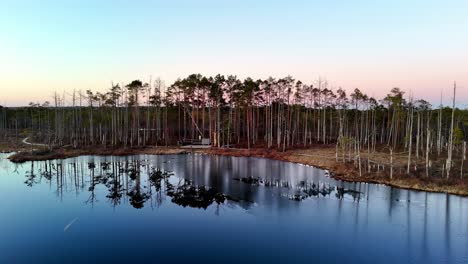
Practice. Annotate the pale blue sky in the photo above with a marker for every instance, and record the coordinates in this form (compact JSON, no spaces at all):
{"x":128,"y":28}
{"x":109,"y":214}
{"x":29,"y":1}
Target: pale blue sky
{"x":48,"y":46}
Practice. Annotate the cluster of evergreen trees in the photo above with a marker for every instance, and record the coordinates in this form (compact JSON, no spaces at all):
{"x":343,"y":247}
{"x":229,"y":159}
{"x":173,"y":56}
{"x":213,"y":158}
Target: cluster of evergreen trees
{"x":272,"y":113}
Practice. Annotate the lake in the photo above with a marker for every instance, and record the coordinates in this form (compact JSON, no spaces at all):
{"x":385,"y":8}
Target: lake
{"x":214,"y":209}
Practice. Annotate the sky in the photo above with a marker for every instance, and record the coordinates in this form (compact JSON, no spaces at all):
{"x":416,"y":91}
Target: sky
{"x":420,"y":46}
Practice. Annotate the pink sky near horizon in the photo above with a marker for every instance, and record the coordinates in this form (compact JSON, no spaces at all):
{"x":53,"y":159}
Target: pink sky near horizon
{"x":426,"y":83}
{"x":52,"y":46}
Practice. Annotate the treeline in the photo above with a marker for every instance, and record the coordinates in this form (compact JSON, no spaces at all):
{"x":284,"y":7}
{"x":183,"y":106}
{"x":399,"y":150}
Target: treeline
{"x":272,"y":113}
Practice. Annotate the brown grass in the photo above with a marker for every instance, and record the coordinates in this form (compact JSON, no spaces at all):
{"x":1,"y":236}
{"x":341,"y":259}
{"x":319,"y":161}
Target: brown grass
{"x":325,"y":157}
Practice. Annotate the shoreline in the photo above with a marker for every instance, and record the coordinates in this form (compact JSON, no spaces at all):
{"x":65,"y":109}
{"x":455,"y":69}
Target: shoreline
{"x":322,"y":157}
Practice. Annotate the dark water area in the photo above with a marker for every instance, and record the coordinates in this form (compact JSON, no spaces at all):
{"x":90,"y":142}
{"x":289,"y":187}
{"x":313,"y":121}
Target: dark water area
{"x":213,"y":209}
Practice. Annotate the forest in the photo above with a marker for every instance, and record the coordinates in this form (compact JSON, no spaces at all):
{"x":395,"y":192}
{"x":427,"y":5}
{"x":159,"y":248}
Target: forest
{"x":279,"y":114}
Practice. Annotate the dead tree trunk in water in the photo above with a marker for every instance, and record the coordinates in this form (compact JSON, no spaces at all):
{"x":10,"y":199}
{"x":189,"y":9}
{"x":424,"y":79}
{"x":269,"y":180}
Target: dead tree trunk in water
{"x":428,"y":140}
{"x":418,"y":135}
{"x":439,"y":128}
{"x":463,"y":159}
{"x":391,"y":163}
{"x":410,"y":138}
{"x":450,"y":146}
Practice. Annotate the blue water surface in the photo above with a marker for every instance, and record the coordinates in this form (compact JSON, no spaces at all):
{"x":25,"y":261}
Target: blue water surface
{"x":213,"y":209}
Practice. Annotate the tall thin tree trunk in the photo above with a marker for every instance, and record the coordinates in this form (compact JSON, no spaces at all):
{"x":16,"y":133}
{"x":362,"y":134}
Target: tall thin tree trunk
{"x":450,"y":146}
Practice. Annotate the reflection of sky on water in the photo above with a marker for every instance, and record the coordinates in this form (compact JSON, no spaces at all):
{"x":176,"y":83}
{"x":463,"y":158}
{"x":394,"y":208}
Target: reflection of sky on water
{"x":220,"y":204}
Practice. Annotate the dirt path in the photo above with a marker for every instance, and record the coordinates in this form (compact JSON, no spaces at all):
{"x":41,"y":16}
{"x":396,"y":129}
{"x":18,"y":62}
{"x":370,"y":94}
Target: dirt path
{"x":25,"y":141}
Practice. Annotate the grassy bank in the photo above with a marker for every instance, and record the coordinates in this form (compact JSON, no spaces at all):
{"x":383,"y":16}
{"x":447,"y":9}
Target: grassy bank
{"x":44,"y":154}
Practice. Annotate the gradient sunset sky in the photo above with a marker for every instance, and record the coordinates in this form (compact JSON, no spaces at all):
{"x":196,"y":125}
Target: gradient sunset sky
{"x":417,"y":45}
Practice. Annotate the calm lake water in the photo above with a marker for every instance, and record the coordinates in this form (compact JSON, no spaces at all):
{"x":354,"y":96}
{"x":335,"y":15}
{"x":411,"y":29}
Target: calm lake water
{"x":199,"y":208}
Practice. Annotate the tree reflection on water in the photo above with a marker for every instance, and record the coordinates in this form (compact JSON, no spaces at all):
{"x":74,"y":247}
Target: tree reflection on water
{"x":138,"y":183}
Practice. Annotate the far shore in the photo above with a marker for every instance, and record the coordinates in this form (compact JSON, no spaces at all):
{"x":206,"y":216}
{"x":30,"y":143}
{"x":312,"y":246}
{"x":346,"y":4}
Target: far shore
{"x":323,"y":157}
